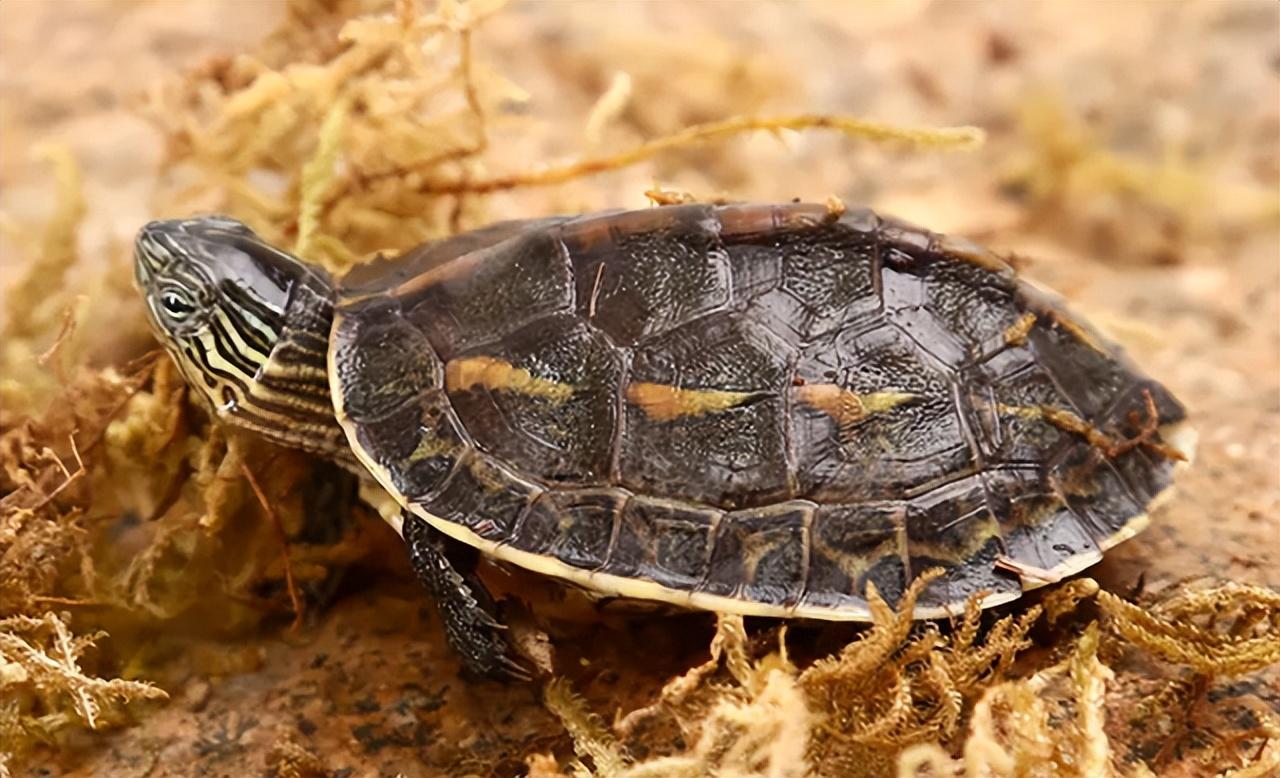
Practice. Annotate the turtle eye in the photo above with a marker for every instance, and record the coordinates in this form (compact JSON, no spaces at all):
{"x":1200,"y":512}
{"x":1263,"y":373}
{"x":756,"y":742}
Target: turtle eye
{"x":176,"y":305}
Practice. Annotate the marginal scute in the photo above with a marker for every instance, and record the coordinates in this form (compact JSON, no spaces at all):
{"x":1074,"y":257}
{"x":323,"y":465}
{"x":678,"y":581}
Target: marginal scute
{"x":1145,"y":472}
{"x":762,"y":554}
{"x":575,"y":526}
{"x":1092,"y":381}
{"x":1038,"y":527}
{"x":664,"y":541}
{"x":486,"y":497}
{"x":952,"y":528}
{"x":966,"y":250}
{"x":1089,"y":484}
{"x":853,"y":545}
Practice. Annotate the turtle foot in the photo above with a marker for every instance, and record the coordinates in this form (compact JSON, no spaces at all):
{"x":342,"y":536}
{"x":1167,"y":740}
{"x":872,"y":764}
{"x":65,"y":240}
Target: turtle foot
{"x":465,"y":606}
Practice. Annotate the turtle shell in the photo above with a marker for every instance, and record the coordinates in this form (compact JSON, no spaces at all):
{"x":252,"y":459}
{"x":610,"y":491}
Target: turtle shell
{"x":759,"y":409}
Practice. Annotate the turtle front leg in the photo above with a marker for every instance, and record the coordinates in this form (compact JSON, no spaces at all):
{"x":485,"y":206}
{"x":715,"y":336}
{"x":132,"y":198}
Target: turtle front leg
{"x":465,"y":606}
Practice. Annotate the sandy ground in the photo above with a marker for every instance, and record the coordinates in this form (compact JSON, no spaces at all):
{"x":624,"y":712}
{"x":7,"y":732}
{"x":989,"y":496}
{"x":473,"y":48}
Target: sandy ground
{"x":1192,"y":288}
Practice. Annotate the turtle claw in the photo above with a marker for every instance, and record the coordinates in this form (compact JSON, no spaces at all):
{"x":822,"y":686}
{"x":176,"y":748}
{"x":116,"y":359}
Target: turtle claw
{"x":516,"y":669}
{"x":481,"y":641}
{"x":465,"y":607}
{"x":484,"y":618}
{"x":485,"y":654}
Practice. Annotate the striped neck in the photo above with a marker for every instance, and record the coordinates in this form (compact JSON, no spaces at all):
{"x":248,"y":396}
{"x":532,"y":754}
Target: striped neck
{"x":288,"y":399}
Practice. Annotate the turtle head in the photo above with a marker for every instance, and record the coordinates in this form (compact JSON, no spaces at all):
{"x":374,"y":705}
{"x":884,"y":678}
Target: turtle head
{"x":225,"y":303}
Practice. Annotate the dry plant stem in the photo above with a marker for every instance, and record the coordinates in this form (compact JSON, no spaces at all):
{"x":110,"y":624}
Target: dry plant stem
{"x":590,"y":737}
{"x":1027,"y":571}
{"x":1147,"y":430}
{"x":70,"y":477}
{"x":288,"y":759}
{"x":1090,"y":677}
{"x":1064,"y":599}
{"x":139,"y":381}
{"x":64,"y":332}
{"x":1267,"y":761}
{"x":675,"y":692}
{"x":730,"y":640}
{"x":952,"y":138}
{"x":107,"y":418}
{"x":607,"y":108}
{"x":1184,"y":716}
{"x":25,"y":317}
{"x":294,"y":598}
{"x":465,"y":70}
{"x":659,"y":196}
{"x":317,"y":176}
{"x":1111,"y":447}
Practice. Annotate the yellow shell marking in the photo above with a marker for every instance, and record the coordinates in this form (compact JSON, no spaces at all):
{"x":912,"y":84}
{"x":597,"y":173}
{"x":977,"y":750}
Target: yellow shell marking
{"x":664,"y":403}
{"x":1016,"y":334}
{"x":500,"y":375}
{"x":848,"y":407}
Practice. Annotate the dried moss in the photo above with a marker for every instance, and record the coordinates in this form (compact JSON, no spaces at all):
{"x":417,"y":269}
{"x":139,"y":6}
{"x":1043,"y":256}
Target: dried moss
{"x":910,"y":699}
{"x":590,"y":737}
{"x":43,"y":689}
{"x":1223,"y":630}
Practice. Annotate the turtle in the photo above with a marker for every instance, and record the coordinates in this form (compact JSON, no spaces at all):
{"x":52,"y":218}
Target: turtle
{"x":758,"y":409}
